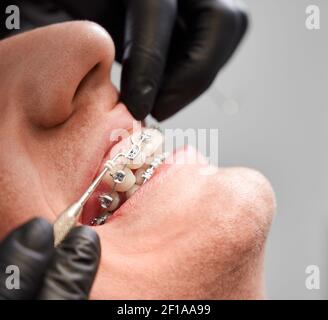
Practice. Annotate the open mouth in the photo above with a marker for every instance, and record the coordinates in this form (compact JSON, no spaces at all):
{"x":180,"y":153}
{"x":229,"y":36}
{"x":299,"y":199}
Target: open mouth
{"x":133,"y":161}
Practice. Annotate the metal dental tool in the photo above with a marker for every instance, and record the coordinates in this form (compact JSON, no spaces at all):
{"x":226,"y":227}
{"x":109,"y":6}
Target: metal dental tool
{"x":69,"y":217}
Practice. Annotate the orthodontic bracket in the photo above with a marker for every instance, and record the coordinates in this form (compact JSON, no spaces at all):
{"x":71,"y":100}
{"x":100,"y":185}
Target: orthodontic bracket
{"x":153,"y":166}
{"x":105,"y":200}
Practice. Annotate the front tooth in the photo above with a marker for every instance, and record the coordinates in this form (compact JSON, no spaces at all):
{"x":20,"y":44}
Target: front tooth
{"x":154,"y":144}
{"x":137,"y":162}
{"x":118,"y":148}
{"x":149,"y":146}
{"x":131,"y":191}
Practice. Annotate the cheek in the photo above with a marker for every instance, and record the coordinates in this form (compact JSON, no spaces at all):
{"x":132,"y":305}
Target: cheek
{"x":68,"y":156}
{"x":62,"y":157}
{"x":219,"y":219}
{"x":172,"y":208}
{"x":169,"y":239}
{"x":21,"y":195}
{"x":192,"y":235}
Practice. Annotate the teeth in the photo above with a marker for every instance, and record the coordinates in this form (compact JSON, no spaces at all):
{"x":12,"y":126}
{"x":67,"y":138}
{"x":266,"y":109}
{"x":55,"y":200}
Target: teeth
{"x":115,"y":202}
{"x":131,"y":191}
{"x":100,"y":220}
{"x":148,"y":173}
{"x":105,"y":201}
{"x":137,"y":162}
{"x":108,"y":179}
{"x":119,"y":176}
{"x":139,"y":178}
{"x":128,"y":182}
{"x":154,"y":143}
{"x":110,"y":202}
{"x":148,"y":161}
{"x":142,"y":153}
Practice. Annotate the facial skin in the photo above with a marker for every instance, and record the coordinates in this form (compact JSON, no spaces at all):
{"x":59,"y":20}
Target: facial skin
{"x":185,"y":235}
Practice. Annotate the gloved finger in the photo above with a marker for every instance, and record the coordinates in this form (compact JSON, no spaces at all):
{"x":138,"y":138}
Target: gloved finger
{"x":148,"y":31}
{"x":25,"y":254}
{"x":74,"y":267}
{"x":214,"y":29}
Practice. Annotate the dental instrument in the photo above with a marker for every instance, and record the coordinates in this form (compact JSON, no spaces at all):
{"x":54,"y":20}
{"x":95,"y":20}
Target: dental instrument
{"x":69,"y":217}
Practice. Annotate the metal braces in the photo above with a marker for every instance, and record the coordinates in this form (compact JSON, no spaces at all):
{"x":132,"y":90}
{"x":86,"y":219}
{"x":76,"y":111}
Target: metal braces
{"x":119,"y":175}
{"x":153,"y":166}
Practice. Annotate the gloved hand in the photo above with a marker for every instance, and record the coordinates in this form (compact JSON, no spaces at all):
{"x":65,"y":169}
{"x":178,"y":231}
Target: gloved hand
{"x":45,"y":272}
{"x":171,"y":50}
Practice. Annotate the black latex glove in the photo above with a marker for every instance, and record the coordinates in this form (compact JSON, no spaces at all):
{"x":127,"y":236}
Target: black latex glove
{"x":171,"y":50}
{"x":66,"y":272}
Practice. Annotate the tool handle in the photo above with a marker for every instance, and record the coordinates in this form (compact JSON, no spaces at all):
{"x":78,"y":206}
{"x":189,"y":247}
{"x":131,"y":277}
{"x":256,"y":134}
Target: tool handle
{"x":66,"y":221}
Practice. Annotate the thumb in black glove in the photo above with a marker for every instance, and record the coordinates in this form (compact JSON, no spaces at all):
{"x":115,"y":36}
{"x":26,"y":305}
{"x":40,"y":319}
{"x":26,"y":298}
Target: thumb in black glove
{"x":45,"y":272}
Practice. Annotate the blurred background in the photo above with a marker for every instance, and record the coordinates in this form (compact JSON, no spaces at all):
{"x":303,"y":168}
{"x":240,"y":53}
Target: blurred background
{"x":270,"y":105}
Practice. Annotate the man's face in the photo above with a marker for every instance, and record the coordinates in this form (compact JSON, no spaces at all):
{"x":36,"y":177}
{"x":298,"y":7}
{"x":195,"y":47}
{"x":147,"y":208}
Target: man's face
{"x":182,"y":235}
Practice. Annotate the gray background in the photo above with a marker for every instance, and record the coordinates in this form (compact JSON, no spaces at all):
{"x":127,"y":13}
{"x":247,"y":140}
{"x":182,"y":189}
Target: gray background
{"x":269,"y":105}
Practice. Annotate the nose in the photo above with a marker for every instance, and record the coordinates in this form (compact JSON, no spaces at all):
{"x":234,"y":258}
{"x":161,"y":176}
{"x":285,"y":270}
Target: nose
{"x":56,"y":64}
